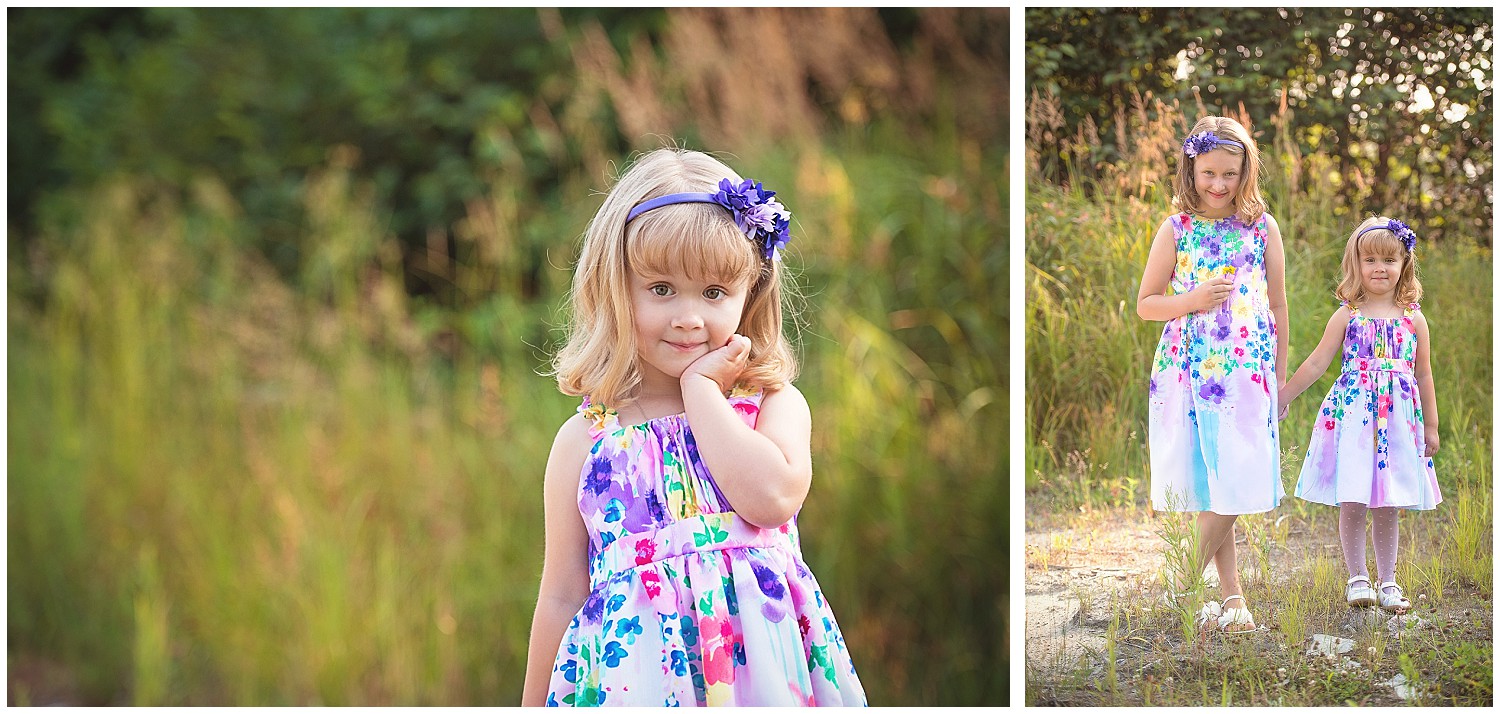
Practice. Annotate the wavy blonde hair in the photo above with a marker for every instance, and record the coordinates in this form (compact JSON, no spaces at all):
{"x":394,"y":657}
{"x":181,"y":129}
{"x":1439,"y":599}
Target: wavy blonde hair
{"x":1249,"y":204}
{"x":1380,"y":242}
{"x":599,"y":356}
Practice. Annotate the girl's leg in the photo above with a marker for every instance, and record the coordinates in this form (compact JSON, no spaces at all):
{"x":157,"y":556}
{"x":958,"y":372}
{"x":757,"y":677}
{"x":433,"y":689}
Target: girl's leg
{"x":1387,"y":531}
{"x":1352,"y":536}
{"x":1214,"y":530}
{"x":1236,"y":616}
{"x":1225,"y":561}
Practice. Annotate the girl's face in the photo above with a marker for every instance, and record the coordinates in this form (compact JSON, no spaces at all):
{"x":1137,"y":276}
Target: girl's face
{"x":1216,"y":178}
{"x":678,"y":320}
{"x":1378,"y":273}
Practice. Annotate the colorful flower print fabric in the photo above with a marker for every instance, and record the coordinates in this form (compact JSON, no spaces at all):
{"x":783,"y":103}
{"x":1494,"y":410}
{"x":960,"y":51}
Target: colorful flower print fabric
{"x":1213,"y":432}
{"x":691,"y":605}
{"x":1368,"y":440}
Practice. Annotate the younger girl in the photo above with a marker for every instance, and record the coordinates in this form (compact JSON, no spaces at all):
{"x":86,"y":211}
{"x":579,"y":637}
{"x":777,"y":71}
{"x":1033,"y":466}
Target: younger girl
{"x":1378,"y":425}
{"x":1214,"y":275}
{"x":673,"y":573}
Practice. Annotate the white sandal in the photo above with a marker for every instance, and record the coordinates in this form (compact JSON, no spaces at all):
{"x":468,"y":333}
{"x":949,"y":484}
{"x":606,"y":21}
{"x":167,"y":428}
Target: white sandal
{"x":1237,"y":618}
{"x":1362,"y":596}
{"x":1396,"y":602}
{"x":1208,"y":616}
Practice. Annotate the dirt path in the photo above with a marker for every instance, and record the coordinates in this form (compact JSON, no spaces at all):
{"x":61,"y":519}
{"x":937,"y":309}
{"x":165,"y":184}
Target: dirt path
{"x":1085,"y":571}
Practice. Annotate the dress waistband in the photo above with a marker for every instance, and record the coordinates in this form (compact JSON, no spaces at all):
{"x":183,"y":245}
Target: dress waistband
{"x":1377,"y":364}
{"x":698,"y":534}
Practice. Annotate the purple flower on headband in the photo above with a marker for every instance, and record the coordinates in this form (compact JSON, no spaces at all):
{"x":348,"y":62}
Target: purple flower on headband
{"x":762,"y":218}
{"x":1405,"y":233}
{"x":1204,"y":142}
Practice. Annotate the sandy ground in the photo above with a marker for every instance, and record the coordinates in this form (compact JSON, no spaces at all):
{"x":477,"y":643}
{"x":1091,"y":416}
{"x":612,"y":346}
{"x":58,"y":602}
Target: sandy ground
{"x":1078,"y":566}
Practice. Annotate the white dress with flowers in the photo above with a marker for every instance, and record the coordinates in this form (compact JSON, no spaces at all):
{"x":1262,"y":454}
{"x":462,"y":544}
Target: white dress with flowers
{"x":1212,"y":430}
{"x":1369,"y":443}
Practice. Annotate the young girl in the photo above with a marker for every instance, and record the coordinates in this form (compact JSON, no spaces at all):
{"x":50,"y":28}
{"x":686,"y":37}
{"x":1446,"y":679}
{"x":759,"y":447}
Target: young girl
{"x":1215,"y":275}
{"x":673,"y":573}
{"x":1378,"y":425}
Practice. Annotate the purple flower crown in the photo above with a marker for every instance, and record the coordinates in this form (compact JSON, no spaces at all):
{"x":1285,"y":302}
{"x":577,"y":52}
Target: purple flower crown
{"x":756,"y":212}
{"x":1205,"y":142}
{"x":1402,"y":231}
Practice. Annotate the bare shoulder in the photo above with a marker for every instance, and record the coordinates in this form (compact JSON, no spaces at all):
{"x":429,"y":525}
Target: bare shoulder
{"x":1419,"y":320}
{"x":784,"y":411}
{"x":570,"y":447}
{"x":786,"y":399}
{"x":1168,"y":225}
{"x":1271,"y":224}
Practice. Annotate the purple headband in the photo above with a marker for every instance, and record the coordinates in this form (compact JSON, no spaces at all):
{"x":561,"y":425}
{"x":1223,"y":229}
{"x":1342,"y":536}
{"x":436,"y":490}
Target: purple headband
{"x":763,"y":219}
{"x":1404,"y":232}
{"x":1205,"y":142}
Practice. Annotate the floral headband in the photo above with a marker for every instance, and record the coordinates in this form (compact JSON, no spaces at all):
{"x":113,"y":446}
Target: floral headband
{"x":1205,"y":142}
{"x":763,"y":219}
{"x":1404,"y":232}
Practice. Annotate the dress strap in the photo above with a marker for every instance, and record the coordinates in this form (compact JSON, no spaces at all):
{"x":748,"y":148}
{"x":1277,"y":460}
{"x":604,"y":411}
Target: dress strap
{"x":1413,"y":308}
{"x":1353,"y":308}
{"x":746,"y":403}
{"x":602,"y":419}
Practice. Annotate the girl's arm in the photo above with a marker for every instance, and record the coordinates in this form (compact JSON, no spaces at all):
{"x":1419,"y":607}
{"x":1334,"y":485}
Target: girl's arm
{"x":565,"y":569}
{"x":1424,"y":385}
{"x":1317,"y":363}
{"x":1153,"y":302}
{"x":765,"y":472}
{"x":1276,"y":295}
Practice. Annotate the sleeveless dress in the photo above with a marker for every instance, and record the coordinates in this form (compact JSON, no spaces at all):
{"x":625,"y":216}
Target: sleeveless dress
{"x":1212,"y":428}
{"x":690,"y":604}
{"x":1368,"y":442}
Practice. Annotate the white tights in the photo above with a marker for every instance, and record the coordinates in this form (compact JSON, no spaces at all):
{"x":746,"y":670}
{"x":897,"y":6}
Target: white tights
{"x":1352,"y":533}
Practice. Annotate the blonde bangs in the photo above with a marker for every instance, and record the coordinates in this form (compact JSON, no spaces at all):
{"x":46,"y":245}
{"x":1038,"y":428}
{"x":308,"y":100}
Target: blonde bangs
{"x":1380,"y":243}
{"x":697,"y":240}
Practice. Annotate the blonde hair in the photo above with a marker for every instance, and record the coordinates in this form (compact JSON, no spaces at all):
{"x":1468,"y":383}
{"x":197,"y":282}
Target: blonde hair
{"x":599,"y":356}
{"x":1380,"y":242}
{"x":1248,"y":202}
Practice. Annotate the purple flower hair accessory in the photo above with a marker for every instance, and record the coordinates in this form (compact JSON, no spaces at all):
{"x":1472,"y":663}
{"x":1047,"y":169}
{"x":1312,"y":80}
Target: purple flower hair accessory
{"x":1402,"y":231}
{"x":1205,"y":142}
{"x":756,"y":212}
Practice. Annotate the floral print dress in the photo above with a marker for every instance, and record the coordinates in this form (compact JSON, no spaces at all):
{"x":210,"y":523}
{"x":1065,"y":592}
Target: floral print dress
{"x":690,"y":604}
{"x":1212,"y":429}
{"x":1368,"y":441}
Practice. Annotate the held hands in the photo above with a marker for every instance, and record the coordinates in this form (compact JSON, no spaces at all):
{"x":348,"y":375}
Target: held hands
{"x":1211,"y":293}
{"x":1285,"y":403}
{"x":722,"y":365}
{"x":1430,"y":437}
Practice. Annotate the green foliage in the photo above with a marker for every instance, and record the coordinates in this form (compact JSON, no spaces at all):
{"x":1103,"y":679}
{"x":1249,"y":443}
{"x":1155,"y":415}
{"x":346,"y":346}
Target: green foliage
{"x":1398,"y":98}
{"x":226,"y":488}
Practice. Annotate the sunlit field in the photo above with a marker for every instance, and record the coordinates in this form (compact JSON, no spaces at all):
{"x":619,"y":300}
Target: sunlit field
{"x":1095,"y":548}
{"x":238,"y":480}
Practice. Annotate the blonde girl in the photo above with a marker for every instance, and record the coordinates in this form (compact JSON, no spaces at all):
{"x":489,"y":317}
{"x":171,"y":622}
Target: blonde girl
{"x":1377,"y":429}
{"x":1215,"y":276}
{"x":673,"y":573}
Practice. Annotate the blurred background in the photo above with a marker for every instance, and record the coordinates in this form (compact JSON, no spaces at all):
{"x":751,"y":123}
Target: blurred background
{"x":280,"y":284}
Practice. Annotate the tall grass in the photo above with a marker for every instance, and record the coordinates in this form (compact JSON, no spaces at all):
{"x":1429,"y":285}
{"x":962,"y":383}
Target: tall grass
{"x":232,"y":487}
{"x":1087,"y":351}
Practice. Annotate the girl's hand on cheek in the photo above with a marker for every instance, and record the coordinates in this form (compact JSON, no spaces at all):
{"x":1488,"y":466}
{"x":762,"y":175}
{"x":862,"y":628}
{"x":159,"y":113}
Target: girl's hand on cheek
{"x":722,"y":365}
